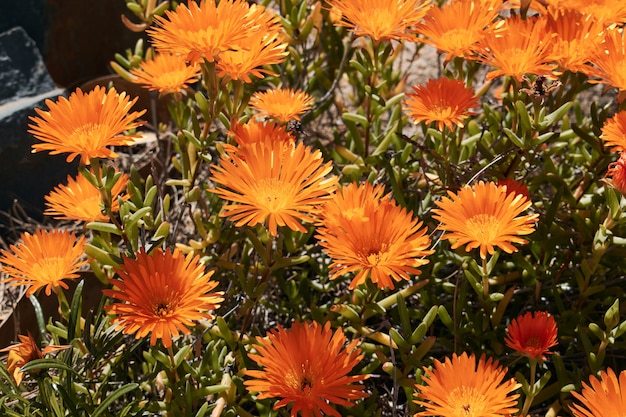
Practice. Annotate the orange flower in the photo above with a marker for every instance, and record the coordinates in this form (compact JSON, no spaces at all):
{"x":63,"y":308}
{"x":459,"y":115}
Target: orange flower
{"x":161,"y":294}
{"x":282,"y":104}
{"x":575,"y":38}
{"x":85,"y":124}
{"x":166,"y":73}
{"x":484,"y":216}
{"x":44,"y":259}
{"x":532,"y":334}
{"x":617,"y":172}
{"x":517,"y":47}
{"x":255,"y":132}
{"x":367,"y":233}
{"x":610,"y":60}
{"x":274,"y":182}
{"x":382,"y":20}
{"x":443,"y":100}
{"x":614,"y":132}
{"x":80,"y":200}
{"x":459,"y":387}
{"x":457,"y":26}
{"x":295,"y":371}
{"x":205,"y":30}
{"x":22,"y":353}
{"x":607,"y":12}
{"x":603,"y":397}
{"x":248,"y":59}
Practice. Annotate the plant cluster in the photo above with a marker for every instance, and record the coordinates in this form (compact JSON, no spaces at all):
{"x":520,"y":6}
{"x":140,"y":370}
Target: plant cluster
{"x":304,"y":232}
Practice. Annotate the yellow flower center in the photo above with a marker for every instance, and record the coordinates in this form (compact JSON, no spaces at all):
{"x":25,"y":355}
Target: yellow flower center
{"x":457,"y":40}
{"x":50,"y":269}
{"x":467,"y":402}
{"x":87,"y":133}
{"x":271,"y":194}
{"x":483,"y":227}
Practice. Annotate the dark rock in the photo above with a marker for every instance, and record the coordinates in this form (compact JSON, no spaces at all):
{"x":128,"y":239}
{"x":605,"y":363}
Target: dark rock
{"x":22,"y":71}
{"x":24,"y":176}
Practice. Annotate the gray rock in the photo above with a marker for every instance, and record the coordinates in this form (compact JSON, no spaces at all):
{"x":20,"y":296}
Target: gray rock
{"x":24,"y":85}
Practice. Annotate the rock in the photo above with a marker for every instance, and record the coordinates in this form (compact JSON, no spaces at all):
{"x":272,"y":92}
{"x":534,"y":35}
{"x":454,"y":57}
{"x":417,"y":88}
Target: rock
{"x":24,"y":85}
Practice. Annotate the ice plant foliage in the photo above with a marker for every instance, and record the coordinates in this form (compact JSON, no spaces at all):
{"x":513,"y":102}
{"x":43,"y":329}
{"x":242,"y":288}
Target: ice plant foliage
{"x":80,"y":200}
{"x":381,"y":20}
{"x":86,"y":124}
{"x":161,"y":294}
{"x":307,"y":366}
{"x":484,"y":216}
{"x":273,"y":183}
{"x":443,"y":101}
{"x":23,"y":352}
{"x":602,"y":397}
{"x":368,"y":234}
{"x":44,"y":259}
{"x":283,"y":104}
{"x":460,"y":387}
{"x":166,"y":73}
{"x":532,"y":334}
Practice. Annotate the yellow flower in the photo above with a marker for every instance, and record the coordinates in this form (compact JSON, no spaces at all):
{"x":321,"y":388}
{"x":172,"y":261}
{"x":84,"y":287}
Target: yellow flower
{"x":307,"y":366}
{"x":483,"y":217}
{"x":517,"y":47}
{"x":44,"y":259}
{"x":457,"y":26}
{"x":382,"y":20}
{"x":614,"y":132}
{"x":205,"y":30}
{"x":161,"y":294}
{"x":166,"y":73}
{"x":367,"y":233}
{"x":458,"y":387}
{"x":22,"y":353}
{"x":282,"y":104}
{"x":603,"y":397}
{"x":80,"y":200}
{"x":86,"y":124}
{"x":274,"y":182}
{"x":443,"y":100}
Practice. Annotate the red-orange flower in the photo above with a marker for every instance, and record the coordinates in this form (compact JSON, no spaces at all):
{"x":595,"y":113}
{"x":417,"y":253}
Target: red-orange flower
{"x":444,"y":101}
{"x":166,"y":73}
{"x":161,"y":294}
{"x":603,"y":397}
{"x":80,"y":200}
{"x":484,"y":216}
{"x":22,"y":353}
{"x":86,"y":124}
{"x":273,"y":182}
{"x":382,"y":20}
{"x":44,"y":259}
{"x":617,"y":173}
{"x":514,"y":186}
{"x":282,"y":104}
{"x":532,"y":334}
{"x":460,"y":387}
{"x":307,"y":366}
{"x":614,"y":132}
{"x":517,"y":47}
{"x":457,"y":26}
{"x":368,"y":234}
